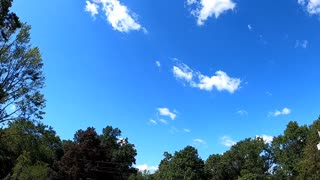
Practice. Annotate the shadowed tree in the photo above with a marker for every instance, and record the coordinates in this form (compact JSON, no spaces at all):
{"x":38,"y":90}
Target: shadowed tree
{"x":93,"y":156}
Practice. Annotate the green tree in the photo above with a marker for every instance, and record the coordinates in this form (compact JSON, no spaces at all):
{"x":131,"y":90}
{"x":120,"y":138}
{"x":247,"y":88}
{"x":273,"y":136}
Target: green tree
{"x":96,"y":156}
{"x":26,"y":170}
{"x":214,"y":167}
{"x":309,"y":166}
{"x":21,"y":77}
{"x":247,"y":158}
{"x":288,"y":150}
{"x":185,"y":164}
{"x":38,"y":140}
{"x":9,"y":21}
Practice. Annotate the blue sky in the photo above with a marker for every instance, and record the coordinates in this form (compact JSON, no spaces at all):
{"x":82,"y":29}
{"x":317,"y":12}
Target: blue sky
{"x":206,"y":73}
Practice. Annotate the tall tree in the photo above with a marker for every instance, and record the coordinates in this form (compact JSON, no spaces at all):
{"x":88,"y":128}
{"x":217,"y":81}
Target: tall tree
{"x":185,"y":164}
{"x":37,"y":142}
{"x":288,"y":150}
{"x":309,"y":166}
{"x":96,"y":156}
{"x":21,"y":77}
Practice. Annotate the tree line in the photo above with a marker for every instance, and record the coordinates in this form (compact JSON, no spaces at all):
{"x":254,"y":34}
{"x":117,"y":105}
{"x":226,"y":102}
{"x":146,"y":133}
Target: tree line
{"x":30,"y":149}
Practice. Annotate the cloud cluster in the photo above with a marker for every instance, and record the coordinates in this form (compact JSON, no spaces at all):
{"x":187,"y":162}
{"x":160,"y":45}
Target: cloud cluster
{"x":203,"y":9}
{"x":221,"y":81}
{"x":312,"y":6}
{"x":284,"y":111}
{"x":118,"y":15}
{"x":227,"y":141}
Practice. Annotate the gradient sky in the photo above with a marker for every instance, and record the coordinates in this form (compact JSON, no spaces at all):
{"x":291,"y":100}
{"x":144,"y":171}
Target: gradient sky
{"x":206,"y":73}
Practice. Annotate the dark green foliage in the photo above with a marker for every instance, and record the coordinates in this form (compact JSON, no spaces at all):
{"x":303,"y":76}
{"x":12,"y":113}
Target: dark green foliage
{"x":93,"y":156}
{"x":9,"y":21}
{"x":309,"y":166}
{"x":184,"y":164}
{"x":288,"y":150}
{"x":37,"y":142}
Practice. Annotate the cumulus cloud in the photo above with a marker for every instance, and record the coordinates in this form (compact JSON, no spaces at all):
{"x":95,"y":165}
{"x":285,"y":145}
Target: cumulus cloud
{"x":145,"y":167}
{"x":284,"y":111}
{"x":92,"y":8}
{"x":227,"y":141}
{"x":182,"y":71}
{"x":167,"y":112}
{"x":301,"y":44}
{"x":312,"y":6}
{"x":118,"y":15}
{"x":221,"y":80}
{"x":267,"y":139}
{"x":203,"y":9}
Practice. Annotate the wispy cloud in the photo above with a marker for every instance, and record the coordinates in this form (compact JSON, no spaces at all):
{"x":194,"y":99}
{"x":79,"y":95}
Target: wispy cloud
{"x":118,"y":15}
{"x":158,"y":64}
{"x":152,"y":122}
{"x":187,"y":130}
{"x":311,"y":6}
{"x":163,"y":121}
{"x":284,"y":111}
{"x":145,"y":167}
{"x":249,"y":27}
{"x":301,"y":43}
{"x":221,"y":80}
{"x":227,"y":141}
{"x":203,"y":9}
{"x":198,"y":142}
{"x":267,"y":139}
{"x":242,"y":112}
{"x":166,"y":112}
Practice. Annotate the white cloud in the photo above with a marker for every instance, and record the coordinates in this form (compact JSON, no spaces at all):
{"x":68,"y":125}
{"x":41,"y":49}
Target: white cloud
{"x":227,"y":141}
{"x":92,"y":8}
{"x":198,"y":142}
{"x":267,"y":139}
{"x":153,"y":122}
{"x":118,"y":15}
{"x":249,"y":27}
{"x":203,"y":9}
{"x":183,"y":72}
{"x":145,"y":167}
{"x":312,"y":6}
{"x":285,"y":111}
{"x":242,"y":112}
{"x":163,"y":121}
{"x":303,"y":44}
{"x":221,"y":81}
{"x":187,"y":130}
{"x":167,"y":112}
{"x":158,"y":64}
